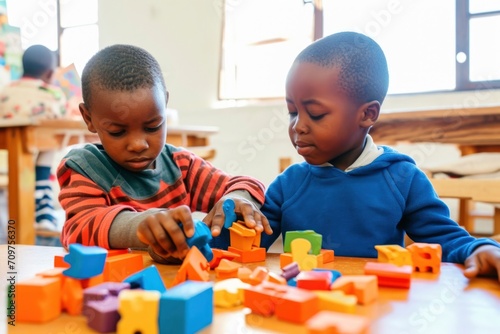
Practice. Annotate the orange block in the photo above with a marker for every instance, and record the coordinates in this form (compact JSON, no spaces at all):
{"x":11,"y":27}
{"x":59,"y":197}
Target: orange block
{"x":53,"y":273}
{"x":242,"y":237}
{"x":364,"y":287}
{"x":426,"y":257}
{"x":119,"y":267}
{"x":257,"y":276}
{"x":394,"y":254}
{"x":253,"y":255}
{"x":336,"y":301}
{"x":114,"y":252}
{"x":59,"y":262}
{"x":194,"y":267}
{"x":227,"y":269}
{"x":38,"y":299}
{"x":220,"y":254}
{"x":328,"y":255}
{"x":328,"y":322}
{"x":389,"y":274}
{"x":285,"y":259}
{"x":275,"y":278}
{"x":72,"y":296}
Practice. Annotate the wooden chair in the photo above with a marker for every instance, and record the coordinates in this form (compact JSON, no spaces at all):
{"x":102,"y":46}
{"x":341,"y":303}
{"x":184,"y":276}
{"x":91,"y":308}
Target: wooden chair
{"x":467,"y":190}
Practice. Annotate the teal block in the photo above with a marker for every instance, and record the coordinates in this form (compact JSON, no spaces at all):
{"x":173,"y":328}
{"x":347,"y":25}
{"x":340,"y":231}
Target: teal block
{"x":85,"y":261}
{"x":147,"y":279}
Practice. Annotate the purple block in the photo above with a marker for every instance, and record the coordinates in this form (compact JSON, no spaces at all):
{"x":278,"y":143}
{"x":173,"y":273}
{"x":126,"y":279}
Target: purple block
{"x":290,"y":271}
{"x":101,"y":292}
{"x":102,"y":316}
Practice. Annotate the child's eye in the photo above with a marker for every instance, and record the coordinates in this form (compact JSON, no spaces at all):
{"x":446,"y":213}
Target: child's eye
{"x":117,"y":133}
{"x":153,"y":129}
{"x":316,"y":118}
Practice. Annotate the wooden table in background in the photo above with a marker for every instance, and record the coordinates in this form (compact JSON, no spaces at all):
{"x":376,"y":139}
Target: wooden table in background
{"x":444,"y":303}
{"x":23,"y":139}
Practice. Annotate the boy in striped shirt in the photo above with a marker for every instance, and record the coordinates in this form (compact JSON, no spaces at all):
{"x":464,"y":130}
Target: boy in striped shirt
{"x":133,"y":189}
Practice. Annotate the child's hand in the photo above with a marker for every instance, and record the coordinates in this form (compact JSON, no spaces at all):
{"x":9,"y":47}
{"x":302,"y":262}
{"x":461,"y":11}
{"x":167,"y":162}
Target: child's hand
{"x":484,"y":261}
{"x":161,"y":231}
{"x":249,"y":212}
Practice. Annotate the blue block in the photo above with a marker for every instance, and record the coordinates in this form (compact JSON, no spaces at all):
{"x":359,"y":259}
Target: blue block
{"x":229,"y":214}
{"x":147,"y":279}
{"x":335,"y":274}
{"x":85,"y":261}
{"x":201,"y":239}
{"x":186,"y":308}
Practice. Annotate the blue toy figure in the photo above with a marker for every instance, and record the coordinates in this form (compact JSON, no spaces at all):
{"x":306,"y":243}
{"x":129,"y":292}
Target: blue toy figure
{"x":229,"y":214}
{"x":201,"y":238}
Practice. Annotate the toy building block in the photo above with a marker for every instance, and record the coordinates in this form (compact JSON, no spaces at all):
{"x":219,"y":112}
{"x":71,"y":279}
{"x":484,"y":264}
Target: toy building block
{"x":426,"y":257}
{"x":275,"y":278}
{"x":389,"y":274}
{"x":314,"y":280}
{"x":328,"y":255}
{"x":186,"y":308}
{"x":229,"y":292}
{"x":195,"y":267}
{"x":96,"y":280}
{"x":147,"y":279}
{"x":227,"y":269}
{"x":300,"y":253}
{"x":201,"y":238}
{"x":244,"y":273}
{"x":114,"y":252}
{"x":290,"y":271}
{"x":229,"y":214}
{"x":101,"y":292}
{"x":336,"y":301}
{"x":335,"y":273}
{"x":242,"y":237}
{"x":258,"y":275}
{"x":38,"y":299}
{"x":256,"y":254}
{"x":314,"y":238}
{"x":139,"y":311}
{"x":119,"y":267}
{"x":102,"y":315}
{"x":364,"y":287}
{"x":328,"y":322}
{"x":394,"y":254}
{"x":287,"y":258}
{"x":219,"y":254}
{"x":72,"y":296}
{"x":287,"y":303}
{"x":59,"y":262}
{"x":85,"y":261}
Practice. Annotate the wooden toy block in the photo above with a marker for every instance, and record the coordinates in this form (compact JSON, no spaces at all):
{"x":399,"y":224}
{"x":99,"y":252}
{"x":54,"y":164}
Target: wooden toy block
{"x":38,"y":299}
{"x":389,"y":274}
{"x":220,"y":254}
{"x":300,"y":254}
{"x":227,"y":269}
{"x":314,"y":239}
{"x":288,"y":303}
{"x":229,"y":214}
{"x":394,"y":254}
{"x":275,"y":278}
{"x":242,"y":237}
{"x":101,"y":292}
{"x":119,"y":267}
{"x":59,"y":262}
{"x":147,"y":279}
{"x":426,"y":257}
{"x":186,"y":308}
{"x":328,"y":322}
{"x":290,"y":270}
{"x":364,"y":287}
{"x":85,"y":261}
{"x":256,"y":254}
{"x":139,"y":311}
{"x":202,"y":236}
{"x":72,"y":296}
{"x":314,"y":280}
{"x":194,"y":267}
{"x":102,"y":315}
{"x":336,"y":301}
{"x":328,"y":255}
{"x":229,"y":292}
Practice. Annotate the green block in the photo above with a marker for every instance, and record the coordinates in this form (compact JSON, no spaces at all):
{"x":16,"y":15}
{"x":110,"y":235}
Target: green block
{"x":314,"y":238}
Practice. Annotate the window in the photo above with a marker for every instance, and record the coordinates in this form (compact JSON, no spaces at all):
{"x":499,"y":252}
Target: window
{"x":431,"y":46}
{"x":66,"y":27}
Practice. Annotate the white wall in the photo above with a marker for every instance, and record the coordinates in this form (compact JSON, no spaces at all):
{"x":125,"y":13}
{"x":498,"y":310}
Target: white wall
{"x":185,"y":36}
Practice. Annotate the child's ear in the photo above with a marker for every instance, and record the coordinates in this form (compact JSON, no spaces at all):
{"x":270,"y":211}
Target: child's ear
{"x":370,"y":113}
{"x":87,"y":117}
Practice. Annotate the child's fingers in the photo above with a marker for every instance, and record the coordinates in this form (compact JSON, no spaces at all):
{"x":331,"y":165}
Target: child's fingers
{"x":215,"y":219}
{"x":183,"y":214}
{"x":471,"y":267}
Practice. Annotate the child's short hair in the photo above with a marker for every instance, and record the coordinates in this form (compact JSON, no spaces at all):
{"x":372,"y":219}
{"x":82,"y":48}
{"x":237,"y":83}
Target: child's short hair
{"x":120,"y":67}
{"x":363,"y":68}
{"x":38,"y":59}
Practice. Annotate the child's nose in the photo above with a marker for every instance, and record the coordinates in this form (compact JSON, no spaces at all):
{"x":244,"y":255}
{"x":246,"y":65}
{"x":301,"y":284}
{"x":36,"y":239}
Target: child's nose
{"x":300,"y":125}
{"x":137,"y":144}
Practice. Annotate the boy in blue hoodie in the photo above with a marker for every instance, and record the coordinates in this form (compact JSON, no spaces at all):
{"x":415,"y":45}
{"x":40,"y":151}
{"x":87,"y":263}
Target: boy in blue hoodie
{"x":354,"y":193}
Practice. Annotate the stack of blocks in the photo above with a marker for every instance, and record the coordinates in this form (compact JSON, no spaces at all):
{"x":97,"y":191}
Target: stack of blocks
{"x":116,"y":293}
